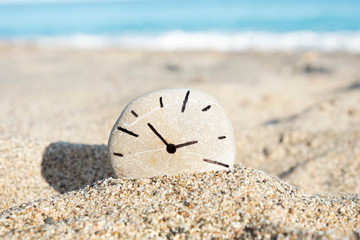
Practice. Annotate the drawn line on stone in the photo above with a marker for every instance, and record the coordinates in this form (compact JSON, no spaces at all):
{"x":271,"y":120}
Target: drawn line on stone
{"x":157,"y":109}
{"x":206,"y":108}
{"x":161,"y":103}
{"x":185,"y":101}
{"x":134,"y":113}
{"x":118,"y":154}
{"x":215,"y":162}
{"x":127,"y":131}
{"x":154,"y":111}
{"x":222,"y":137}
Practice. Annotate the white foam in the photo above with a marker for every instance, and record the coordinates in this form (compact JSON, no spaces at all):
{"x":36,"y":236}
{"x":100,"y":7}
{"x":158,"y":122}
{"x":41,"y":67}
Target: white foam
{"x":177,"y":40}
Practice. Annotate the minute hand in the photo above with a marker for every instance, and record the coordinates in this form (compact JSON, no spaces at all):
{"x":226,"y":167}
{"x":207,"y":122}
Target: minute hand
{"x":157,"y":134}
{"x":186,"y":144}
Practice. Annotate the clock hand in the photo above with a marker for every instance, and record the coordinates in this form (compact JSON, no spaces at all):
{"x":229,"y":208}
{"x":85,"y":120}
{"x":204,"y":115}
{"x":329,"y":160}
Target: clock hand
{"x":186,"y":144}
{"x":157,"y":134}
{"x":170,"y":148}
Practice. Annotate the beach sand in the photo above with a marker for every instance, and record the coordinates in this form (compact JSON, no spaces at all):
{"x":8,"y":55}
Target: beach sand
{"x":296,"y":117}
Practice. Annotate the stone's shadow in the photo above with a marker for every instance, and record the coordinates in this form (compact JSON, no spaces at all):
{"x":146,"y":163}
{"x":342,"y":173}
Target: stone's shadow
{"x":68,"y":166}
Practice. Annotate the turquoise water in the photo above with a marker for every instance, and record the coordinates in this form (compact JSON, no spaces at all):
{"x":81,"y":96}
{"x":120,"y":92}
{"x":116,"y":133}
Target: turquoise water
{"x":123,"y":22}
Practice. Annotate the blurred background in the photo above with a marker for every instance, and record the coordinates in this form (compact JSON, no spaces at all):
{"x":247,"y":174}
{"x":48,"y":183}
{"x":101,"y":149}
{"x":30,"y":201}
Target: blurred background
{"x":287,"y":73}
{"x":173,"y":25}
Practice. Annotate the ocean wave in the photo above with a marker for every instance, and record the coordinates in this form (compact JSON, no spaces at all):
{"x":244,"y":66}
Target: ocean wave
{"x":179,"y":41}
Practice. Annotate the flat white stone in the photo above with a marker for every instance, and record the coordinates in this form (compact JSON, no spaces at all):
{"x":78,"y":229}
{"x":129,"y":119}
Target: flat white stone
{"x":170,"y":132}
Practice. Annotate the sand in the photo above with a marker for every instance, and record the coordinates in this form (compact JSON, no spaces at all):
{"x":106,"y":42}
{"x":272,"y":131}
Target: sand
{"x":296,"y":118}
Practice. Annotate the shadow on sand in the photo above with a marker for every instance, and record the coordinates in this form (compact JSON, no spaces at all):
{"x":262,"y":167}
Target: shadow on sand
{"x":67,"y":166}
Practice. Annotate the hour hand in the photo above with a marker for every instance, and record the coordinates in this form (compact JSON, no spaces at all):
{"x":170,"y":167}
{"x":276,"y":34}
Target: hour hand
{"x":157,"y":134}
{"x":186,"y":144}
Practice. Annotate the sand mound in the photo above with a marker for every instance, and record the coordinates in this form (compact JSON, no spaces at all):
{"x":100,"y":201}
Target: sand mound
{"x":232,"y":204}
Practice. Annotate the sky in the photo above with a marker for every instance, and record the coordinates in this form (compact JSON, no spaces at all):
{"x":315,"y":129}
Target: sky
{"x":56,"y":1}
{"x":49,"y":1}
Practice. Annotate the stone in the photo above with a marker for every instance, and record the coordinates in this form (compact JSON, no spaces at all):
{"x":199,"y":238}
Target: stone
{"x":170,"y":132}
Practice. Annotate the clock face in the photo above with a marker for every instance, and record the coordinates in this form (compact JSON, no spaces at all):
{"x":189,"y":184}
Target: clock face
{"x":170,"y":132}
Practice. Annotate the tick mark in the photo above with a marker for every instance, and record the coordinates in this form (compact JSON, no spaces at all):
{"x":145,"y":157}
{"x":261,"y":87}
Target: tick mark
{"x":127,"y":131}
{"x":222,"y":137}
{"x":206,"y":108}
{"x":215,"y":162}
{"x":118,"y":154}
{"x":161,"y":103}
{"x":134,"y":113}
{"x":185,"y":101}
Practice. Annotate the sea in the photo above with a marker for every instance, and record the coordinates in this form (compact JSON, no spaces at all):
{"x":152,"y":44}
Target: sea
{"x":224,"y":25}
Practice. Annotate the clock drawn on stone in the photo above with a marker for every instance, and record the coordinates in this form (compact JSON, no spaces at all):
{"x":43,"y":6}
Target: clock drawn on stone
{"x":169,"y":132}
